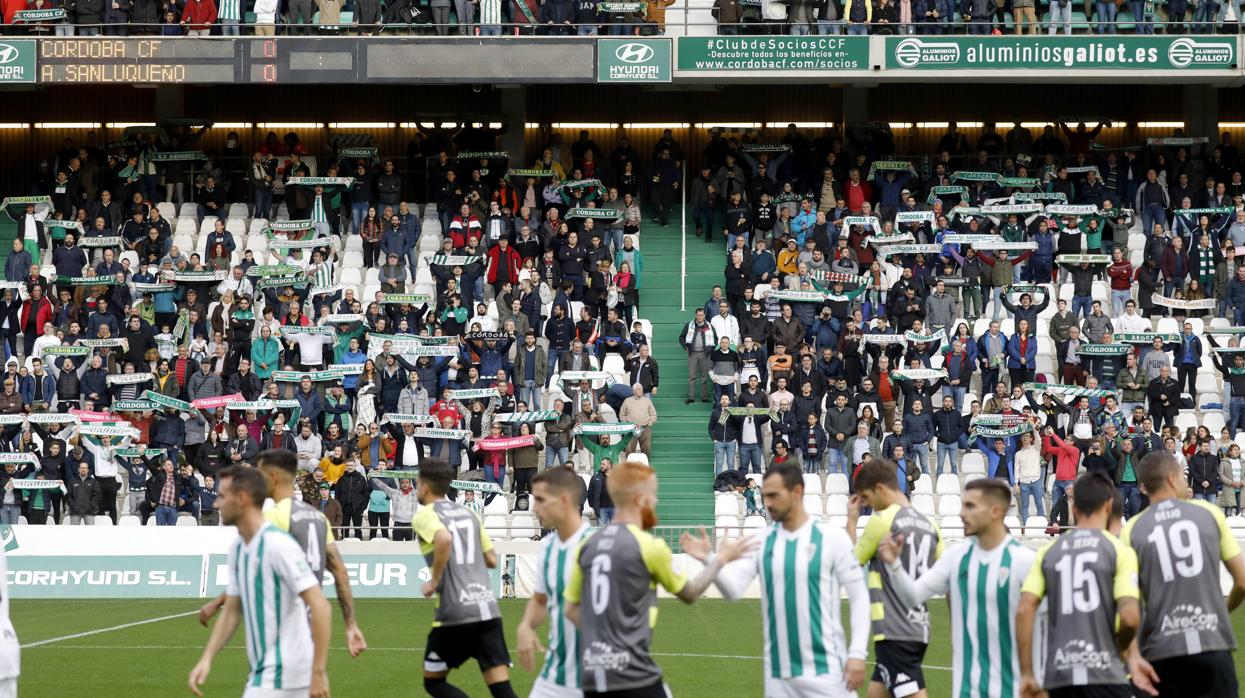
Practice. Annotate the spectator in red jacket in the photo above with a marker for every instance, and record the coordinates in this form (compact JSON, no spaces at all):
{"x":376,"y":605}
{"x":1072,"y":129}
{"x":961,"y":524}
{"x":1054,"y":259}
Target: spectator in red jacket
{"x":36,"y":312}
{"x":503,"y":265}
{"x":199,"y":16}
{"x":1066,"y":456}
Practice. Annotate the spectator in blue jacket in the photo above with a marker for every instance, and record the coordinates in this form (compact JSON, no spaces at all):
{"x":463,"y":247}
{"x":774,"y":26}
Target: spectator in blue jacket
{"x":919,"y":427}
{"x":1000,"y":456}
{"x":949,"y":428}
{"x":38,"y":388}
{"x":168,"y":431}
{"x":1021,"y":354}
{"x":309,"y":401}
{"x":813,"y":444}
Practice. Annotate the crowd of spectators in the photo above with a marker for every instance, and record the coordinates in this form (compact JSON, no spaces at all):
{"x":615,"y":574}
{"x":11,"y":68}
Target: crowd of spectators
{"x":321,"y":17}
{"x":149,"y":343}
{"x":1024,"y":309}
{"x":980,"y":17}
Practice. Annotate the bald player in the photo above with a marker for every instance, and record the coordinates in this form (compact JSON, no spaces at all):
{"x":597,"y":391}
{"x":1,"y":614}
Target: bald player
{"x":1184,"y":647}
{"x":307,"y":525}
{"x":621,"y":566}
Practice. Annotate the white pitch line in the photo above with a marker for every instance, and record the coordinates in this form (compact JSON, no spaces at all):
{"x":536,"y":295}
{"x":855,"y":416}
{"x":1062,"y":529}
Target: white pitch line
{"x":685,"y":655}
{"x":99,"y":631}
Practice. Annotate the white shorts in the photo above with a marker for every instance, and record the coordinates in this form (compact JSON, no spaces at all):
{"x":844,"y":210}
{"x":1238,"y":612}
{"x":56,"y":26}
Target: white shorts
{"x":8,"y":688}
{"x":253,"y":692}
{"x":825,"y":686}
{"x":548,"y":689}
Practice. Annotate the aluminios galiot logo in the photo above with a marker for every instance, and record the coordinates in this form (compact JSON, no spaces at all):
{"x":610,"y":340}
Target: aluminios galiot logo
{"x":1185,"y":52}
{"x":8,"y":53}
{"x":634,"y":53}
{"x":910,"y":53}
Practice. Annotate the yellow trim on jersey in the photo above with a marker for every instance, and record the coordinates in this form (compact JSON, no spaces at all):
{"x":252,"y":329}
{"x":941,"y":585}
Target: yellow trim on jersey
{"x":1228,"y":547}
{"x":875,"y":580}
{"x":573,"y":586}
{"x":279,"y":515}
{"x":1035,"y":583}
{"x":877,"y":611}
{"x":426,"y":523}
{"x":878,"y":527}
{"x":1125,"y":584}
{"x":658,"y":560}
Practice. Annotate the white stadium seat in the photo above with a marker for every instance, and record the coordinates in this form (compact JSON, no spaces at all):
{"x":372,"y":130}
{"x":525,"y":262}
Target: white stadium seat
{"x":948,"y":484}
{"x":812,"y":483}
{"x":727,"y":504}
{"x":836,"y":505}
{"x":812,"y":505}
{"x":924,"y":504}
{"x":949,"y":505}
{"x":836,"y":483}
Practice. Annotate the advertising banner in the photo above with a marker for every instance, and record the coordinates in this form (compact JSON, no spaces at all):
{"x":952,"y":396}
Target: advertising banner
{"x":772,"y":53}
{"x":1083,"y":52}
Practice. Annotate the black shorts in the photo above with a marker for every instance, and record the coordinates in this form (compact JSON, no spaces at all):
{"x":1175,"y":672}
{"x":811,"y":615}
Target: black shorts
{"x":1206,"y":675}
{"x":451,"y":645}
{"x":656,"y":690}
{"x":1098,"y":691}
{"x":898,"y":666}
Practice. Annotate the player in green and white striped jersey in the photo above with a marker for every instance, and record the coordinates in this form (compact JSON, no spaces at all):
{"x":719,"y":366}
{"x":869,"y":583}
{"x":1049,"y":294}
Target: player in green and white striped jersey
{"x":981,"y":577}
{"x":804,"y":566}
{"x":271,"y":587}
{"x":556,"y":494}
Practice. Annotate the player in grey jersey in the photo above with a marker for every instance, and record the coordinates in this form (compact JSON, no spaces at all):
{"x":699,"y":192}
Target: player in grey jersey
{"x":1090,"y":579}
{"x":467,"y":623}
{"x":1185,"y":644}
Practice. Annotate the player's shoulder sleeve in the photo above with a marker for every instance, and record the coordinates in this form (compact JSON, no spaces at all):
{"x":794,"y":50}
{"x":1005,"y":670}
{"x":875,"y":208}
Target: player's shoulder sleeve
{"x":836,"y":543}
{"x":235,"y":550}
{"x":279,"y":514}
{"x":486,"y":542}
{"x":571,"y":593}
{"x":877,"y":528}
{"x":542,"y":562}
{"x":328,"y":529}
{"x":289,"y":562}
{"x":426,"y":523}
{"x":1035,"y":581}
{"x":1125,"y":581}
{"x":1126,"y":533}
{"x":941,"y":545}
{"x":659,"y":561}
{"x":1228,"y":547}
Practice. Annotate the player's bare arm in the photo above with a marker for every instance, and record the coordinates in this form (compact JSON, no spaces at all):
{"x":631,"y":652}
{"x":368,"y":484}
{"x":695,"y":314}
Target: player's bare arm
{"x":1128,"y":611}
{"x":441,"y":544}
{"x":211,"y":608}
{"x":1236,"y":567}
{"x":321,"y":628}
{"x":534,"y":615}
{"x":355,"y":641}
{"x":698,"y":546}
{"x":1025,"y":616}
{"x":490,"y":559}
{"x":221,"y":633}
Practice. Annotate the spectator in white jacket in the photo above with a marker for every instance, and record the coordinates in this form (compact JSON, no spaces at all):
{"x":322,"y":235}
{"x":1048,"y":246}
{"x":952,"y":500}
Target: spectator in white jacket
{"x":725,"y":324}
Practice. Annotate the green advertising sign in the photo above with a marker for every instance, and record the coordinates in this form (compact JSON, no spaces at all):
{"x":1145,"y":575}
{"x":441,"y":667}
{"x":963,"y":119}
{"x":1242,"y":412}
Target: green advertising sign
{"x":105,"y":576}
{"x":634,"y":60}
{"x":1061,"y":53}
{"x":17,"y":61}
{"x":781,"y":53}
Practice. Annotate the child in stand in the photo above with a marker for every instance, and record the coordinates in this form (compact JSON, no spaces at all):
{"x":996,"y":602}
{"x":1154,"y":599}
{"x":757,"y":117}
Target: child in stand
{"x":472,"y":504}
{"x":752,"y":499}
{"x":166,"y":343}
{"x":637,"y":336}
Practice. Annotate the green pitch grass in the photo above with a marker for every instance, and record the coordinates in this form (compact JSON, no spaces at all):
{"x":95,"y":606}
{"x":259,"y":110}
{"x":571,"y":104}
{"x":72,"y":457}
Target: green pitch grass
{"x":710,"y":650}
